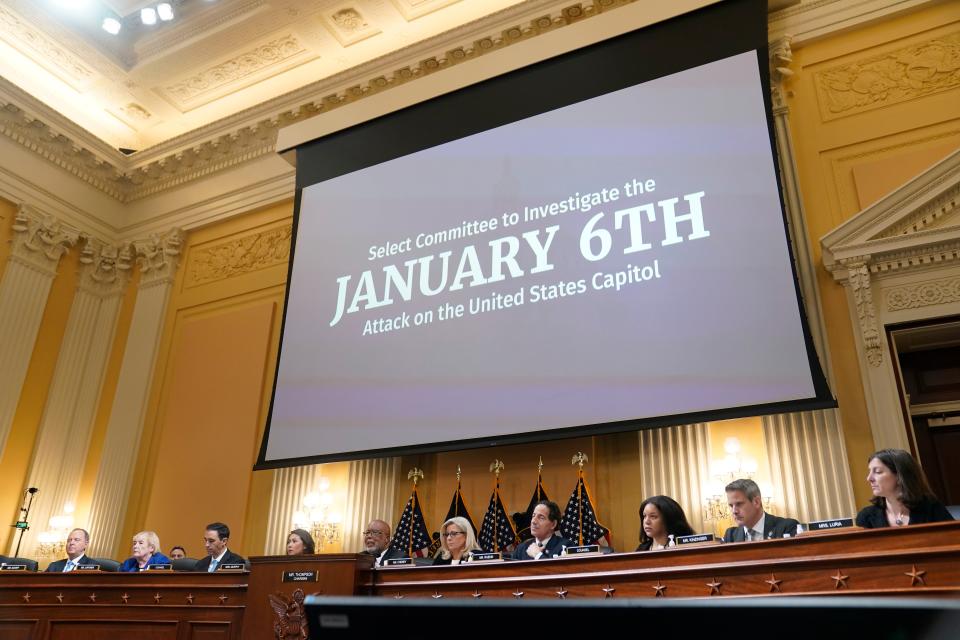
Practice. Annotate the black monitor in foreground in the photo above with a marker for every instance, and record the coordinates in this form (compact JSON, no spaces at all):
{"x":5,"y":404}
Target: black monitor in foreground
{"x":780,"y":617}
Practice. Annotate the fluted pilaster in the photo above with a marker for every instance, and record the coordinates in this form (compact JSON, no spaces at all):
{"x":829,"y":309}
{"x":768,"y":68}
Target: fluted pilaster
{"x":808,"y":461}
{"x":675,"y":462}
{"x":371,"y":494}
{"x":290,"y":484}
{"x":68,"y":416}
{"x":158,"y":258}
{"x":37,"y":246}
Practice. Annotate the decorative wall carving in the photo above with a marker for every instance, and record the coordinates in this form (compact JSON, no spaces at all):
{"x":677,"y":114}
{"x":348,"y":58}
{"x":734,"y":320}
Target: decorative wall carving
{"x":859,"y":276}
{"x":928,"y":216}
{"x":239,"y":256}
{"x":135,"y":111}
{"x":104,"y":268}
{"x":923,"y":294}
{"x":348,"y":25}
{"x":781,"y":57}
{"x":890,"y":78}
{"x":257,"y":59}
{"x":131,"y":178}
{"x":40,"y":241}
{"x":49,"y":53}
{"x":413,"y":9}
{"x":158,"y":257}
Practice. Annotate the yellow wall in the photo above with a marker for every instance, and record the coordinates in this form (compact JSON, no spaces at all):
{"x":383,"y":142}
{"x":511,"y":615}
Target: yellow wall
{"x":854,"y":142}
{"x":213,"y":379}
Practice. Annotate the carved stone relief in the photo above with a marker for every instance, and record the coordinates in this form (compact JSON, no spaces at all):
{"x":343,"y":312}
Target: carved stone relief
{"x":158,"y":257}
{"x":187,"y":93}
{"x":40,"y":241}
{"x":923,"y":294}
{"x":104,"y":268}
{"x":348,"y":25}
{"x":905,"y":74}
{"x":238,"y":256}
{"x":48,"y":53}
{"x":859,"y":275}
{"x":413,"y":9}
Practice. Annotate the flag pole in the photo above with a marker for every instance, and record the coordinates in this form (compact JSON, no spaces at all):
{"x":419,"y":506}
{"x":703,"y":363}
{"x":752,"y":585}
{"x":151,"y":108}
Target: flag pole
{"x":579,"y":460}
{"x":416,"y":474}
{"x":496,"y":467}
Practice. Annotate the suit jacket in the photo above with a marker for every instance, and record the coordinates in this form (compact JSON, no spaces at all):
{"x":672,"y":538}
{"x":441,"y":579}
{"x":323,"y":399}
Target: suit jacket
{"x":131,"y":564}
{"x":874,"y":517}
{"x":203,"y":564}
{"x":773,"y":527}
{"x":553,"y":549}
{"x":57,"y":565}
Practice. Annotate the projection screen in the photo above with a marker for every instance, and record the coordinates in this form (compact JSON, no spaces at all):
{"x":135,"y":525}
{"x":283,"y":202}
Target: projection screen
{"x":603,"y":251}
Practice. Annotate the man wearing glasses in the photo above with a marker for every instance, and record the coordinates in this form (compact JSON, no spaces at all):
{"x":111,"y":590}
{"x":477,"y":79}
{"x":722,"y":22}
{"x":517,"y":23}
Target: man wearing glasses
{"x":376,"y":542}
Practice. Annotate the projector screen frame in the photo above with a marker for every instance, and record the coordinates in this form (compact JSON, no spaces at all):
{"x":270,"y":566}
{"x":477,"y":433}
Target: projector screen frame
{"x":340,"y":156}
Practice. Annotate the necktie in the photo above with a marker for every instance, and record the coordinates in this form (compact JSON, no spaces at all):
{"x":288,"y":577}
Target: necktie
{"x":70,"y":565}
{"x":213,"y":565}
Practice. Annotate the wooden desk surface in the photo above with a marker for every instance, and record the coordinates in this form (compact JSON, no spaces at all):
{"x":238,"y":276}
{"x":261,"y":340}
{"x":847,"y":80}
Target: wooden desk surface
{"x":146,"y":606}
{"x":917,"y":560}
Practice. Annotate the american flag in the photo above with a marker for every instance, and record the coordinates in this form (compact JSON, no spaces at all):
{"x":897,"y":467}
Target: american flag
{"x":458,"y":508}
{"x":412,"y":537}
{"x":579,"y":521}
{"x":523,"y":519}
{"x":497,"y":532}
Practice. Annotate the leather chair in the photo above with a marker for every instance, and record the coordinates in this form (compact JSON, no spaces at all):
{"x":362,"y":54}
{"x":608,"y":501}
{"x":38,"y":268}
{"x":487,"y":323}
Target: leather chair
{"x":106,"y":564}
{"x":30,"y":564}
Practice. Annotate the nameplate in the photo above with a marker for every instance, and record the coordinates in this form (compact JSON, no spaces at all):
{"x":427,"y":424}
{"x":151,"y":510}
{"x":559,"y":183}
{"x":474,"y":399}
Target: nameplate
{"x":300,"y":576}
{"x":582,"y":549}
{"x":239,"y":566}
{"x":13,"y":567}
{"x":697,"y":538}
{"x":87,"y":567}
{"x":828,"y":525}
{"x":159,"y":567}
{"x":398,"y":562}
{"x":485,"y":556}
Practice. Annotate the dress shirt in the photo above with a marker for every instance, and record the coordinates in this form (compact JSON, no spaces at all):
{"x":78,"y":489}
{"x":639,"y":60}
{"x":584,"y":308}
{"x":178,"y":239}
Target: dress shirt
{"x":755,"y":533}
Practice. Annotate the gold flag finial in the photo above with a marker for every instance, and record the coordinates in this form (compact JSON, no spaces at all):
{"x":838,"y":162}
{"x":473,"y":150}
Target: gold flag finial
{"x":458,"y":474}
{"x":540,"y":465}
{"x":416,"y":474}
{"x":579,"y":459}
{"x":496,"y":467}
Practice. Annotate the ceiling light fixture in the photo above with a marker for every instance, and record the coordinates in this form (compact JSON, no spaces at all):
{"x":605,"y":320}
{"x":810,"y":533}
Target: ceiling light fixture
{"x":165,"y":11}
{"x":111,"y":26}
{"x":148,"y":15}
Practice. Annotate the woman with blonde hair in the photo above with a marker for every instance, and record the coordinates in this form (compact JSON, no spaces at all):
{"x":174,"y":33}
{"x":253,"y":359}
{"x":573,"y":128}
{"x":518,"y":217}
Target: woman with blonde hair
{"x":457,"y":540}
{"x":146,"y":552}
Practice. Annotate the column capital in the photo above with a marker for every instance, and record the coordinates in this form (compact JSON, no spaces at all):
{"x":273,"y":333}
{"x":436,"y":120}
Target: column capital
{"x":104,"y":268}
{"x":39,"y":241}
{"x":781,"y":57}
{"x":158,"y":256}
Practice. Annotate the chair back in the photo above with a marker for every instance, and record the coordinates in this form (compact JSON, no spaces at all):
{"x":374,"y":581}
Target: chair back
{"x":106,"y":564}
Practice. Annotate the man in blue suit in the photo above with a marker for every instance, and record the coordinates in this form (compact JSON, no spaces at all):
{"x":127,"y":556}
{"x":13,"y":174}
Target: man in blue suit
{"x":76,"y":548}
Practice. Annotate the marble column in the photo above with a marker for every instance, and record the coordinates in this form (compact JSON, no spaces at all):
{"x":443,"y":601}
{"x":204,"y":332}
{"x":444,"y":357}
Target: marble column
{"x":64,"y":433}
{"x":38,"y":244}
{"x":158,"y":258}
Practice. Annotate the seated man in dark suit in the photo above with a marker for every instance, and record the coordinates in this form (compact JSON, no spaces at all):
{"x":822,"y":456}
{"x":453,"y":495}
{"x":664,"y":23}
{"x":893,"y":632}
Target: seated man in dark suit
{"x":546,"y":542}
{"x":376,"y":542}
{"x":746,"y":506}
{"x":215,"y":540}
{"x":76,"y":547}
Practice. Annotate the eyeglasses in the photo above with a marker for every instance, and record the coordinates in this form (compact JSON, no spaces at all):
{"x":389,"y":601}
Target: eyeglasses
{"x":373,"y":532}
{"x":452,"y":534}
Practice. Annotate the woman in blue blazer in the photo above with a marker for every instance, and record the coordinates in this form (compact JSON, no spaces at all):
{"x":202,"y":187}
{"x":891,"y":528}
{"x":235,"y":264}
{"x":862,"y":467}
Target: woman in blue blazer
{"x":145,"y":552}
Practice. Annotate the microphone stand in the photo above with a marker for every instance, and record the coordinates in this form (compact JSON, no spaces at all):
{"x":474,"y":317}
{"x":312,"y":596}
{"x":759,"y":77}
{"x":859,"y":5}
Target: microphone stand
{"x":23,"y":524}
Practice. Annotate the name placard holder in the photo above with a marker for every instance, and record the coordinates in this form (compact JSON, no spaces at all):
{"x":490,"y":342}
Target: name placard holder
{"x":485,"y":556}
{"x":239,"y":566}
{"x":398,"y":562}
{"x":695,"y":539}
{"x":582,"y":550}
{"x":13,"y":567}
{"x":159,"y":567}
{"x":87,"y":567}
{"x":300,"y":576}
{"x":823,"y":526}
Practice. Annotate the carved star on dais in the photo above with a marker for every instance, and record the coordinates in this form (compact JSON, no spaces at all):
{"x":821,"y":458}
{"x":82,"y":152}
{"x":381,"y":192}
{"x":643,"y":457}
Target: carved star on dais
{"x":840,"y":580}
{"x":916,"y":577}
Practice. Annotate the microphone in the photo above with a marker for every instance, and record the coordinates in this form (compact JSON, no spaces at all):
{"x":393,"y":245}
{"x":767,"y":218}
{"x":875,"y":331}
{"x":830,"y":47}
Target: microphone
{"x":32,"y":490}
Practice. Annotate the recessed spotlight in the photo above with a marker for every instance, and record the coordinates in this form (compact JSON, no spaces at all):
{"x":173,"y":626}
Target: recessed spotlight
{"x":111,"y":26}
{"x":148,"y":15}
{"x":165,"y":11}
